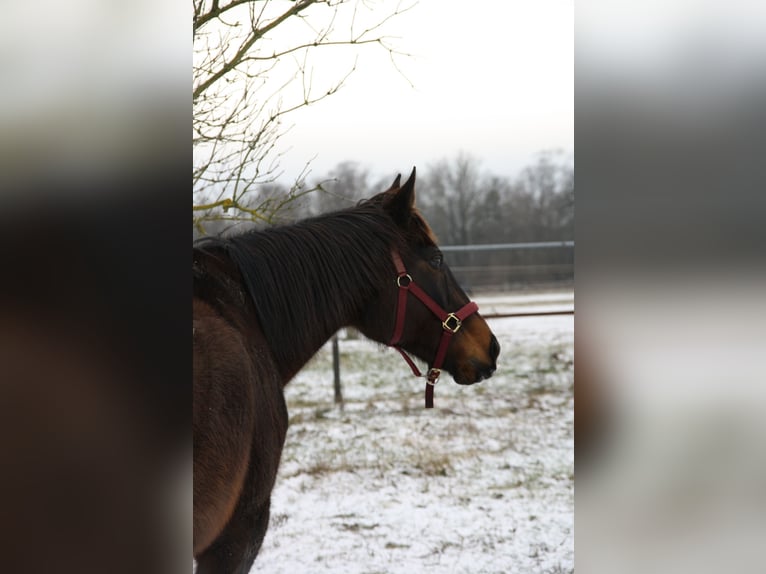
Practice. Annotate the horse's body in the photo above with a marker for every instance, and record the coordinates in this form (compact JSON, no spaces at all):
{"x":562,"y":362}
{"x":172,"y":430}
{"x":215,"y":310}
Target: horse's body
{"x":264,"y":303}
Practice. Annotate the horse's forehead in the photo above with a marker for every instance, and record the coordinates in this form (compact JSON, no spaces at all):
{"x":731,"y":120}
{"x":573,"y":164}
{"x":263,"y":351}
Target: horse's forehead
{"x":423,"y":231}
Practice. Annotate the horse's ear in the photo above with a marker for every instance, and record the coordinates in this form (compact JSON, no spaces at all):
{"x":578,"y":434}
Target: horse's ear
{"x":401,"y":203}
{"x":410,"y":183}
{"x":397,"y":182}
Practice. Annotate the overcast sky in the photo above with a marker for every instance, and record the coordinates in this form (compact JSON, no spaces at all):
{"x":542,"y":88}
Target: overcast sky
{"x":494,"y":79}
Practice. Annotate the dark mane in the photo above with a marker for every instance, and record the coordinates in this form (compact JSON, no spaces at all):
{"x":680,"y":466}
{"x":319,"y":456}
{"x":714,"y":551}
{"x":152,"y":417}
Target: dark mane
{"x":317,"y":272}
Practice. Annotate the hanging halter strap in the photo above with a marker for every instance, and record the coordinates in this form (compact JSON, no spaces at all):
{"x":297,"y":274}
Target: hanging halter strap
{"x":451,"y":323}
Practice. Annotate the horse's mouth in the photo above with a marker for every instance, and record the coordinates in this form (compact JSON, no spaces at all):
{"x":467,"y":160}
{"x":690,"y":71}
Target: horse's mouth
{"x":478,"y":373}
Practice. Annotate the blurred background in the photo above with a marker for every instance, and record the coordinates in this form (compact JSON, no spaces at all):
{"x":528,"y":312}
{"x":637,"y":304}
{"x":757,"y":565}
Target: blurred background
{"x":670,"y":277}
{"x":94,"y":401}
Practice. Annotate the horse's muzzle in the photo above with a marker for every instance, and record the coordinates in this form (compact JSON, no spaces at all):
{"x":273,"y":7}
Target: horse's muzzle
{"x":484,"y":371}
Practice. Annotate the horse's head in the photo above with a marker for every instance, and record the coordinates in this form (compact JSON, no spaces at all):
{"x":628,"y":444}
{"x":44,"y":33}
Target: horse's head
{"x":438,"y":324}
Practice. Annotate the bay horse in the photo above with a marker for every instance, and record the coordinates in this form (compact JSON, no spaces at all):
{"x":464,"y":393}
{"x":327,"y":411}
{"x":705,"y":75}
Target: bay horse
{"x":264,"y":302}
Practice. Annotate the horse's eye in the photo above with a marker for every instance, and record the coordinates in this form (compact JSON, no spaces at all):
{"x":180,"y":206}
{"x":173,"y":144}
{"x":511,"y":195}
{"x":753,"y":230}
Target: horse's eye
{"x":436,"y":261}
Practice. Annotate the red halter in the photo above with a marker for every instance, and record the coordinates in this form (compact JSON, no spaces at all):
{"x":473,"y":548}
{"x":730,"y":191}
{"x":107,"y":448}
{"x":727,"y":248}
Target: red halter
{"x":451,"y":323}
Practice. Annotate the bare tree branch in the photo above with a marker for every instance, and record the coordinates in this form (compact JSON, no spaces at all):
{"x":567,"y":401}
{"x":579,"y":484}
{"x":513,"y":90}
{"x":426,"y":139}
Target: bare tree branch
{"x":249,"y":58}
{"x":253,"y":37}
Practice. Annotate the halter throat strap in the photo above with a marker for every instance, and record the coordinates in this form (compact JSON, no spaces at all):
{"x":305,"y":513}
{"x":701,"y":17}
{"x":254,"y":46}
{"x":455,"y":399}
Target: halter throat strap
{"x":451,"y":323}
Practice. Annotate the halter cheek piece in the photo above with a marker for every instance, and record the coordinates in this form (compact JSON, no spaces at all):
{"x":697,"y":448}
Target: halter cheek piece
{"x":451,"y":323}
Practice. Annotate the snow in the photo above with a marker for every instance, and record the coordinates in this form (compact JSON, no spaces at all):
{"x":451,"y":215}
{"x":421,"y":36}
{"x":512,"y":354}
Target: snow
{"x":526,"y":302}
{"x":484,"y":482}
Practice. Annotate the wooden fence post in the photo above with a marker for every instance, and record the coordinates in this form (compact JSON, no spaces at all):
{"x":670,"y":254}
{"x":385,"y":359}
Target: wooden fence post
{"x":336,"y":371}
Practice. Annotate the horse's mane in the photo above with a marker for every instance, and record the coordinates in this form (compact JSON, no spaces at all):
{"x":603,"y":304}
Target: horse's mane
{"x":313,"y":274}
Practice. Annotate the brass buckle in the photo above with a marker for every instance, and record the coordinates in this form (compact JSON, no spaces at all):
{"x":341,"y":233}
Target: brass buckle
{"x":405,"y":276}
{"x":433,"y":376}
{"x":447,"y":327}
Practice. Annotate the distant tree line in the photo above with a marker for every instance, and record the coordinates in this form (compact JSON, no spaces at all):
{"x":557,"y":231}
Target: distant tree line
{"x":466,"y":205}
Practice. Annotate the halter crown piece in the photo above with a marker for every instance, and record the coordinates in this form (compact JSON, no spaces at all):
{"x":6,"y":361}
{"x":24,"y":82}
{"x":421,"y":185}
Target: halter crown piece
{"x":451,"y":323}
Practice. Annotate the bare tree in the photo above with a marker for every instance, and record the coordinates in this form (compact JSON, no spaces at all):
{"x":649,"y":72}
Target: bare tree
{"x":490,"y":217}
{"x":468,"y":205}
{"x":344,"y":186}
{"x":452,"y":191}
{"x":544,"y":198}
{"x":254,"y":63}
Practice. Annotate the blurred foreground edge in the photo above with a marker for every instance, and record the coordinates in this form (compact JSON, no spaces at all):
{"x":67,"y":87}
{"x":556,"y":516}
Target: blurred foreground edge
{"x":93,"y":398}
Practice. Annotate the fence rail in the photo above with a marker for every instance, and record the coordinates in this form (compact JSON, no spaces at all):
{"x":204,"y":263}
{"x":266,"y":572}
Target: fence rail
{"x":528,"y":314}
{"x":507,"y":246}
{"x":511,"y":266}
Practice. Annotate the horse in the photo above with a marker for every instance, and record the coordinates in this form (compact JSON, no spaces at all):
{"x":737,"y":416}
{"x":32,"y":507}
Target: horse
{"x":265,"y":301}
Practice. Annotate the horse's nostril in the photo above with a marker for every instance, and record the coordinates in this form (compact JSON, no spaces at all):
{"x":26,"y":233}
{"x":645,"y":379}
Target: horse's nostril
{"x":486,"y":373}
{"x":494,"y":348}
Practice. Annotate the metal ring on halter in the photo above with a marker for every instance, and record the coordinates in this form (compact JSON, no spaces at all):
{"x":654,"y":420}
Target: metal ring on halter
{"x":405,"y":276}
{"x":454,"y":329}
{"x":433,"y":376}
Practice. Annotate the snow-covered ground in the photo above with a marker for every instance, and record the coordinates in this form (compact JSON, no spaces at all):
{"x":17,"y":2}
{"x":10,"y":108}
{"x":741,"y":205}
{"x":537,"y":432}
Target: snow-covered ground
{"x":525,"y":302}
{"x":484,"y":482}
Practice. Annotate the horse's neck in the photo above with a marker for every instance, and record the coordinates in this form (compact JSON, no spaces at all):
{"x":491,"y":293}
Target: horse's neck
{"x":333,"y":307}
{"x":318,"y":336}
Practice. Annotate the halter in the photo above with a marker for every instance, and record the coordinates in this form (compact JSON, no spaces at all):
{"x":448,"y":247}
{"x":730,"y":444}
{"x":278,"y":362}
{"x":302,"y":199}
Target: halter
{"x":451,"y":323}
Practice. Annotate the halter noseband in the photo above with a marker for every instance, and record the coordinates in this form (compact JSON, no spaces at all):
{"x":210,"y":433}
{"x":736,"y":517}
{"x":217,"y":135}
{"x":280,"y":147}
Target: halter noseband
{"x":451,"y":323}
